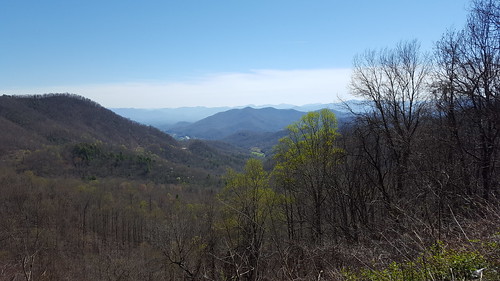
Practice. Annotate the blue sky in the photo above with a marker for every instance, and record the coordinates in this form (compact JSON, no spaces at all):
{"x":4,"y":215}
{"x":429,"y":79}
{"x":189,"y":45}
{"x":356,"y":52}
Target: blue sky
{"x":153,"y":54}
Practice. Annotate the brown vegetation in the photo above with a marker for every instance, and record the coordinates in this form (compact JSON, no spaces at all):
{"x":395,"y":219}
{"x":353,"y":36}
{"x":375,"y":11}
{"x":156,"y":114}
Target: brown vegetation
{"x":408,"y":191}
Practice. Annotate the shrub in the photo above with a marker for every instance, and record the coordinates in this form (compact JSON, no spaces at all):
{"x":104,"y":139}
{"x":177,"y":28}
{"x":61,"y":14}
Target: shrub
{"x":436,"y":263}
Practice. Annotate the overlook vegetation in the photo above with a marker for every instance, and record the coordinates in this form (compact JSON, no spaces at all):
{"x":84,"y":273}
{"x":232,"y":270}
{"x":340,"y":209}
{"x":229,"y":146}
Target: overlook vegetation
{"x":409,"y":190}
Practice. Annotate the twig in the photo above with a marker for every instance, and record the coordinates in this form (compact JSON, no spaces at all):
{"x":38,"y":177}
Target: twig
{"x":461,"y":229}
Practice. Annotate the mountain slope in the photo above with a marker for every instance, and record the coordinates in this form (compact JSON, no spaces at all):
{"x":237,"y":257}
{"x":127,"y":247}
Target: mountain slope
{"x":262,"y":141}
{"x":226,"y":123}
{"x":64,"y":134}
{"x":165,"y":118}
{"x":53,"y":119}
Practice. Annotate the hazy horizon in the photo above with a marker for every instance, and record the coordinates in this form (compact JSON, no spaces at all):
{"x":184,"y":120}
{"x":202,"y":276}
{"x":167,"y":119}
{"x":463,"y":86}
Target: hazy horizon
{"x":182,"y":54}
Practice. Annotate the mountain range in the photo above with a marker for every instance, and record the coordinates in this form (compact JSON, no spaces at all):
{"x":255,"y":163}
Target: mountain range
{"x":165,"y":118}
{"x":224,"y":124}
{"x":64,"y":135}
{"x":250,"y":128}
{"x":168,"y":118}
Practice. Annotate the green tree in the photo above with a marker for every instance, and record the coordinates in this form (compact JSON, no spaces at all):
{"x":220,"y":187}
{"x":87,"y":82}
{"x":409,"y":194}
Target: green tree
{"x":306,"y":169}
{"x":249,"y":206}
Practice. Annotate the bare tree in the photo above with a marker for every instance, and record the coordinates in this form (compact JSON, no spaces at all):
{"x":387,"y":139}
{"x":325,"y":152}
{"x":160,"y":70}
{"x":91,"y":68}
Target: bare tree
{"x":467,"y":91}
{"x":394,"y":83}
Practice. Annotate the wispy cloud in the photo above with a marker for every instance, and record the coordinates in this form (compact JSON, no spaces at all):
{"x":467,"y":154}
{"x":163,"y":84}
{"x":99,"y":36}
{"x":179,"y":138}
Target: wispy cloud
{"x":256,"y":87}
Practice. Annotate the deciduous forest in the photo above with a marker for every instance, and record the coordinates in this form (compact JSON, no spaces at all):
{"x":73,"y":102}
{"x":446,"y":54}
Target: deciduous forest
{"x":409,"y":189}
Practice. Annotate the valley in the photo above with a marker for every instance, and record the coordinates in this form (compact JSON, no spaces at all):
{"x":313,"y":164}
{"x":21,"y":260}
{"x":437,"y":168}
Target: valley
{"x":399,"y":183}
{"x":257,"y":128}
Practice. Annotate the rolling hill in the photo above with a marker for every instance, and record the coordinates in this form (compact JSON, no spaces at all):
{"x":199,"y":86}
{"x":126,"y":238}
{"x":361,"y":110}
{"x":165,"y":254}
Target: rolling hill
{"x":224,"y":124}
{"x":256,"y":130}
{"x":66,"y":135}
{"x":56,"y":119}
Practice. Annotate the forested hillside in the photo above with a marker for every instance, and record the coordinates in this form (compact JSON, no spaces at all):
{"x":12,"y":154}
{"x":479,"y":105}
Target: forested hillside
{"x":224,"y":124}
{"x":54,"y":135}
{"x":34,"y":121}
{"x":409,"y":190}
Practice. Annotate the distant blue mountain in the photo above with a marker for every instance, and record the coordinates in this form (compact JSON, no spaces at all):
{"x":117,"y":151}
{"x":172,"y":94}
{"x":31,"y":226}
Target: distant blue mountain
{"x":223,"y":124}
{"x":164,"y":118}
{"x":250,"y":128}
{"x":168,"y":118}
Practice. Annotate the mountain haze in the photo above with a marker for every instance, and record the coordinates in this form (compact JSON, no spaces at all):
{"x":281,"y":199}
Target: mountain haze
{"x":165,"y":118}
{"x":224,"y":124}
{"x":67,"y":135}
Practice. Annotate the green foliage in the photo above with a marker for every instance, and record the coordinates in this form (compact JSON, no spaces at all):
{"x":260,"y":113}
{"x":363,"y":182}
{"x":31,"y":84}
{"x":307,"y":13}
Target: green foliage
{"x":66,"y":136}
{"x":89,"y":195}
{"x":247,"y":197}
{"x":436,"y":263}
{"x":257,"y":152}
{"x":87,"y":151}
{"x":306,"y":167}
{"x":249,"y":208}
{"x":310,"y":145}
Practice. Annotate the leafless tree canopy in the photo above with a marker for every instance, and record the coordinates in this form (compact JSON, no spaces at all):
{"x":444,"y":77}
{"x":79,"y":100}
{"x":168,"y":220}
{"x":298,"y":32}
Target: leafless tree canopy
{"x":409,"y":186}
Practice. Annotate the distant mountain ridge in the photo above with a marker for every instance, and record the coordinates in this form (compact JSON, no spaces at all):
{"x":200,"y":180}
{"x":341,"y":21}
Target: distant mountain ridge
{"x":68,"y":135}
{"x":249,"y":128}
{"x":164,"y":118}
{"x":224,"y":124}
{"x":167,"y":118}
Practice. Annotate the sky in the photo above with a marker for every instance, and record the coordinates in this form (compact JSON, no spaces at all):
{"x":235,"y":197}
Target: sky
{"x":178,"y":53}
